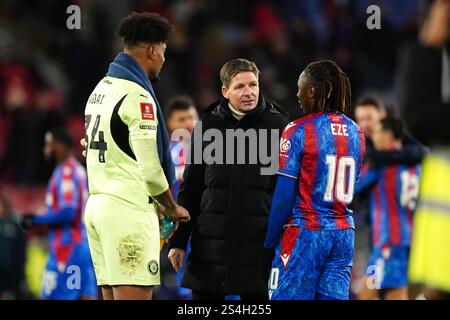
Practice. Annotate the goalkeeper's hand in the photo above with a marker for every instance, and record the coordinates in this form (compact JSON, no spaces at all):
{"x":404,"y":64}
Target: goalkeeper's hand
{"x":84,"y":145}
{"x":178,"y":213}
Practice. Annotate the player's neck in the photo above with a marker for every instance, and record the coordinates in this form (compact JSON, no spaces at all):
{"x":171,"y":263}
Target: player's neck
{"x":236,"y":113}
{"x":138,"y":57}
{"x":64,"y":157}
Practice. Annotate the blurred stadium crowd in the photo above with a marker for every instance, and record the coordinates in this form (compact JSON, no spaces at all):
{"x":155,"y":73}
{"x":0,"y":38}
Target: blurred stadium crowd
{"x":47,"y":73}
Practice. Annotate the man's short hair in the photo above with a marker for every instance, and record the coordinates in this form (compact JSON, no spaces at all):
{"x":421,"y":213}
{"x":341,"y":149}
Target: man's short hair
{"x":393,"y":125}
{"x":233,"y":67}
{"x":144,"y":27}
{"x":370,"y":101}
{"x":63,"y":136}
{"x":178,"y":103}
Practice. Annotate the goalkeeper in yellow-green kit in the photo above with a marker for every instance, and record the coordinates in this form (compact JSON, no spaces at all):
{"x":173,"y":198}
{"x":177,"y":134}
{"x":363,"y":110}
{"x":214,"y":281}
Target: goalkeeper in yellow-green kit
{"x":128,"y":164}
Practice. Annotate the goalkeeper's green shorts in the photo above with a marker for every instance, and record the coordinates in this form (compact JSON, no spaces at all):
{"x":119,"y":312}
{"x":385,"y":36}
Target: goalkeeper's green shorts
{"x":124,"y":242}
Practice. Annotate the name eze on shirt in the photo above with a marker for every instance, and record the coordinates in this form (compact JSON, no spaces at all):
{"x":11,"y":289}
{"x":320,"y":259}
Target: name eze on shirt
{"x":338,"y":129}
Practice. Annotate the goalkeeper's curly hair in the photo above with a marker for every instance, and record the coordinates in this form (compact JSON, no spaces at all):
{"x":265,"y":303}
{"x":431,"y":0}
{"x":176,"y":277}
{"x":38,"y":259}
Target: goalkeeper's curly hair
{"x":144,"y":27}
{"x":332,"y":86}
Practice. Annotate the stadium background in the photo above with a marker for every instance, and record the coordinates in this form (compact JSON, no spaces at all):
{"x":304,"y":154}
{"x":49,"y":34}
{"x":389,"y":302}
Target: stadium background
{"x":47,"y":72}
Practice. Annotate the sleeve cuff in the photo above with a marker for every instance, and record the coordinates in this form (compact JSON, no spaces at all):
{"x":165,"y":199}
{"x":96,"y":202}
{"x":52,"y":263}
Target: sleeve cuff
{"x":287,"y":175}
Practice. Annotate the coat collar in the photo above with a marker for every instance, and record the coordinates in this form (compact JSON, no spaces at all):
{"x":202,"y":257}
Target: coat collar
{"x":250,"y":118}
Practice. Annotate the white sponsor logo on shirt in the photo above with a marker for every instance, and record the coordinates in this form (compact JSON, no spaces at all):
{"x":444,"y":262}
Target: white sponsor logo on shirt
{"x":285,"y":259}
{"x":285,"y":145}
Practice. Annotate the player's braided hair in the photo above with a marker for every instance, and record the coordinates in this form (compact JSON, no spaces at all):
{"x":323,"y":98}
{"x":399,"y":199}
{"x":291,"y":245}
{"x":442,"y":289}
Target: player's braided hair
{"x":333,"y":92}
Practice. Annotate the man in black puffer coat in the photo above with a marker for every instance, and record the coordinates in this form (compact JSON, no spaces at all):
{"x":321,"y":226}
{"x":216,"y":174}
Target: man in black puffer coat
{"x":228,"y":191}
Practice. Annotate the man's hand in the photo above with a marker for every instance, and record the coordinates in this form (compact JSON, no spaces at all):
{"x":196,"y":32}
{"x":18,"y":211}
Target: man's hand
{"x":84,"y":145}
{"x":178,"y":213}
{"x":176,"y":258}
{"x":168,"y":207}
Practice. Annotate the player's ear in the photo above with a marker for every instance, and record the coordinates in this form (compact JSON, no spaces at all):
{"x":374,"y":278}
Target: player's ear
{"x":151,"y":52}
{"x":225,"y":92}
{"x":311,"y":92}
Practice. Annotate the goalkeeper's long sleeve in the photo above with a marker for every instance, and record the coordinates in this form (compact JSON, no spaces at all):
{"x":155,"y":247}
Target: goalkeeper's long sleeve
{"x":282,"y":204}
{"x":146,"y":152}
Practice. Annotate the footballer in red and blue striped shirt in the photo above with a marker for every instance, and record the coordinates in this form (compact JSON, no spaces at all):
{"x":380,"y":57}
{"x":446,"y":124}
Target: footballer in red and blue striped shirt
{"x":69,"y":272}
{"x":310,"y":223}
{"x":323,"y":152}
{"x":393,"y":199}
